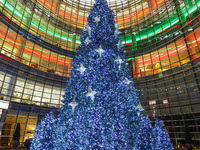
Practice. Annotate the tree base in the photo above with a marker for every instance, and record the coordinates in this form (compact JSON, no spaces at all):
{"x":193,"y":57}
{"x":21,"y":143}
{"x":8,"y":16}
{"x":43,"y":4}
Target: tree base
{"x":15,"y":143}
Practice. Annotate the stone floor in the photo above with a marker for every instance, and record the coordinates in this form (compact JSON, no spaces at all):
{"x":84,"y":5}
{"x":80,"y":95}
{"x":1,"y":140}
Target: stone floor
{"x":183,"y":148}
{"x":24,"y":148}
{"x":21,"y":147}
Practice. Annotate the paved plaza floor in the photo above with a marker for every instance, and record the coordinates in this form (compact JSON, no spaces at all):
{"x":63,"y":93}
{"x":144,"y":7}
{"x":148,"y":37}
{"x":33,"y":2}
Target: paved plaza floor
{"x":21,"y":147}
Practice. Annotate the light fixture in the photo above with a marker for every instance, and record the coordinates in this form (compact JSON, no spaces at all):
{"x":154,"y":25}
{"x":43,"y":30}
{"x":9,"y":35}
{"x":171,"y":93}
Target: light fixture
{"x":3,"y":105}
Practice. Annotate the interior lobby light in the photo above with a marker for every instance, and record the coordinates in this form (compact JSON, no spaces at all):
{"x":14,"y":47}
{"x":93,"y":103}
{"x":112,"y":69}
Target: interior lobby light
{"x":165,"y":101}
{"x":4,"y":104}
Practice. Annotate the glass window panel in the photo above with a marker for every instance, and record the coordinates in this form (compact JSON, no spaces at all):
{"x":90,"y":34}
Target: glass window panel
{"x":29,"y":85}
{"x":45,"y":57}
{"x":37,"y":93}
{"x":62,"y":92}
{"x":3,"y":29}
{"x":55,"y":96}
{"x":31,"y":128}
{"x":148,"y":64}
{"x":192,"y":44}
{"x":39,"y":87}
{"x":164,"y":60}
{"x":47,"y":89}
{"x":7,"y":47}
{"x":46,"y":100}
{"x":197,"y":35}
{"x":182,"y":51}
{"x":53,"y":61}
{"x":156,"y":62}
{"x":35,"y":98}
{"x":139,"y":68}
{"x":27,"y":95}
{"x":56,"y":91}
{"x":20,"y":83}
{"x":55,"y":101}
{"x":5,"y":85}
{"x":22,"y":120}
{"x":47,"y":95}
{"x":172,"y":52}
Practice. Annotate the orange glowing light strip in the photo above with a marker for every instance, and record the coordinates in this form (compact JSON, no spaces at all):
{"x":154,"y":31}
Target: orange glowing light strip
{"x":158,"y":3}
{"x":140,"y":13}
{"x":121,"y":19}
{"x":47,"y":4}
{"x":36,"y":52}
{"x":171,"y":52}
{"x":67,"y":15}
{"x":82,"y":19}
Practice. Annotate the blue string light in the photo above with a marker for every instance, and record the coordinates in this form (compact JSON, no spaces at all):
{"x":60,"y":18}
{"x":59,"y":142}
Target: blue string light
{"x":108,"y":112}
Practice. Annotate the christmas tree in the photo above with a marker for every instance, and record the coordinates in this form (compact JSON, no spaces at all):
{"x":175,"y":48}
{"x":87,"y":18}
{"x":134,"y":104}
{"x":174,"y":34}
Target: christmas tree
{"x":44,"y":134}
{"x":161,"y":137}
{"x":101,"y":107}
{"x":144,"y":135}
{"x":100,"y":92}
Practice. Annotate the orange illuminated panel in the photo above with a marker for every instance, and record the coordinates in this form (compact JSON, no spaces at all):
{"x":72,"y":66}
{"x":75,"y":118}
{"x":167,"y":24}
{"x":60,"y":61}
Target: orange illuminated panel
{"x":81,"y":19}
{"x":159,"y":2}
{"x":123,"y":19}
{"x":36,"y":52}
{"x":47,"y":4}
{"x":146,"y":10}
{"x":67,"y":15}
{"x":9,"y":40}
{"x":156,"y":3}
{"x":140,"y":13}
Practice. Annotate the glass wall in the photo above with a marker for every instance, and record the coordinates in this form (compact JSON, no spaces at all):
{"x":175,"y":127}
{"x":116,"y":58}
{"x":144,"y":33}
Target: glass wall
{"x":179,"y":52}
{"x":39,"y":38}
{"x":17,"y":47}
{"x":26,"y":98}
{"x":61,"y":23}
{"x":28,"y":122}
{"x":46,"y":93}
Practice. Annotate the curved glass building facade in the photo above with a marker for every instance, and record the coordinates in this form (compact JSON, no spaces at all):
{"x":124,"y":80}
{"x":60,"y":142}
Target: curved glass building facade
{"x":39,"y":39}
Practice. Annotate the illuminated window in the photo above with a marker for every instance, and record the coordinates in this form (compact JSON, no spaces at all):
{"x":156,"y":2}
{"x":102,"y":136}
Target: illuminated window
{"x":165,"y":101}
{"x":153,"y":102}
{"x":4,"y":104}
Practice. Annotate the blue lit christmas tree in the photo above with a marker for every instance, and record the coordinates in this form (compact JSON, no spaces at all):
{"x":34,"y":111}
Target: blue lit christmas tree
{"x":101,"y":108}
{"x":144,"y":135}
{"x":44,"y":134}
{"x":161,"y":137}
